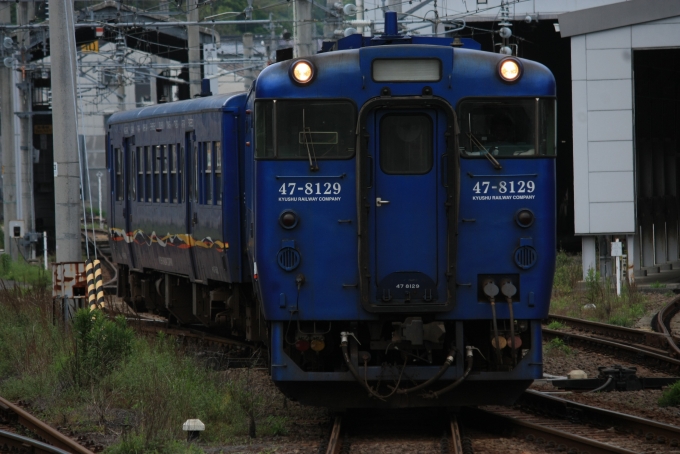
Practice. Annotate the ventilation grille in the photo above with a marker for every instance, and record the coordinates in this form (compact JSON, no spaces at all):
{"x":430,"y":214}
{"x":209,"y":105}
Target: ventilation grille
{"x":525,"y":257}
{"x":288,"y":258}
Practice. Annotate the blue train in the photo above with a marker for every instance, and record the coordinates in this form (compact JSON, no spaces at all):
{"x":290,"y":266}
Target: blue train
{"x":380,"y":215}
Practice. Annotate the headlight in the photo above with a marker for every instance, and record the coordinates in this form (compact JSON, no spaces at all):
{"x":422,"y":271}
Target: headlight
{"x":302,"y":71}
{"x":510,"y":70}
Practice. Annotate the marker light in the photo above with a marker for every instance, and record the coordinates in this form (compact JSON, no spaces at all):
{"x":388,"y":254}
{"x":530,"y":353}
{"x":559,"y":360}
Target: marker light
{"x":288,"y":219}
{"x":302,"y":71}
{"x":302,"y":344}
{"x":318,"y":343}
{"x":509,"y":70}
{"x":524,"y":217}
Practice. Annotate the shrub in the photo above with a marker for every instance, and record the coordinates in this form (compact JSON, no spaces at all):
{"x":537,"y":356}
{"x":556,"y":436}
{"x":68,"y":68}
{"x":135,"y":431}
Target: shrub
{"x":567,"y":273}
{"x":671,"y":396}
{"x":557,"y":347}
{"x":556,"y":325}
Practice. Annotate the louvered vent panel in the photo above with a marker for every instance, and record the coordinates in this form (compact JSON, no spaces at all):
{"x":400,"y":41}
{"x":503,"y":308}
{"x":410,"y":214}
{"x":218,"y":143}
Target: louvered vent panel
{"x":525,"y":257}
{"x":288,"y":258}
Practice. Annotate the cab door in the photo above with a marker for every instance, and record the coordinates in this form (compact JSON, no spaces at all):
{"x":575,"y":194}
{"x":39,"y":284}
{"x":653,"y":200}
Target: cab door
{"x":408,"y":225}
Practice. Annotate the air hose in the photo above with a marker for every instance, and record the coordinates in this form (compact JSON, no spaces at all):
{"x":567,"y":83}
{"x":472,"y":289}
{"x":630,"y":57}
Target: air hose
{"x":444,"y":368}
{"x":468,"y":368}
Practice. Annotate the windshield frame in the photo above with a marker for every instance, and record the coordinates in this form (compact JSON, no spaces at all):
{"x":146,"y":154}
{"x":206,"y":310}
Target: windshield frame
{"x":537,"y":125}
{"x":274,"y":133}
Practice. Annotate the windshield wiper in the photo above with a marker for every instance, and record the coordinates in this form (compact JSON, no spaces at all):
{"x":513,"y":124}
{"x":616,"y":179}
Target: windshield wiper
{"x":313,"y":166}
{"x":474,"y":141}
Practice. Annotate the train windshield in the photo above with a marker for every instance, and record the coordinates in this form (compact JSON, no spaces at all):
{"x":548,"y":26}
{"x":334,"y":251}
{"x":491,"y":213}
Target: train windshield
{"x":507,"y":127}
{"x":300,"y":128}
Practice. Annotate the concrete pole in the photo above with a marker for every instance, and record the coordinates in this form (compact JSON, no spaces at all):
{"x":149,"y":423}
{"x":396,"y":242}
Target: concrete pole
{"x":26,"y":13}
{"x":331,"y":22}
{"x":303,"y":26}
{"x":360,"y":15}
{"x":631,"y":259}
{"x":588,"y":255}
{"x":247,"y":55}
{"x":194,"y":43}
{"x":66,"y":170}
{"x":7,"y":144}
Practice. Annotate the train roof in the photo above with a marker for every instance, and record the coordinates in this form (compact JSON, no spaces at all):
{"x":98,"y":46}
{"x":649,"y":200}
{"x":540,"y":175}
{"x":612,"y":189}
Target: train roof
{"x":208,"y":103}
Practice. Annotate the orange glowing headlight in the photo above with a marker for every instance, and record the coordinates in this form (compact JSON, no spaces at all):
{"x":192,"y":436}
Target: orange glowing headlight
{"x":302,"y":71}
{"x":509,"y":70}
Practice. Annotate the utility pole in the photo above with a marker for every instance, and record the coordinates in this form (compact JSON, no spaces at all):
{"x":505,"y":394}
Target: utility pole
{"x":247,"y":55}
{"x":66,"y":170}
{"x":303,"y":26}
{"x":9,"y":190}
{"x":26,"y":13}
{"x":194,"y":43}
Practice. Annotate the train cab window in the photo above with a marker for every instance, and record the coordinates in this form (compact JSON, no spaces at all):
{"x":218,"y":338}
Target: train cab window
{"x":406,"y":144}
{"x":217,"y":148}
{"x":303,"y":128}
{"x":172,"y":161}
{"x":507,"y":128}
{"x":140,"y":173}
{"x":118,"y":152}
{"x":207,"y":171}
{"x":149,"y":170}
{"x":131,"y":173}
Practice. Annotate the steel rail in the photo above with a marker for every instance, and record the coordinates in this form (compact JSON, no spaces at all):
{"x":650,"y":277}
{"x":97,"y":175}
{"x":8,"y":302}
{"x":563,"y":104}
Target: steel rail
{"x":637,"y":336}
{"x":663,"y":319}
{"x":544,"y":435}
{"x":600,"y":417}
{"x":633,"y":352}
{"x":11,"y":442}
{"x":456,"y":439}
{"x":42,"y":430}
{"x":335,"y":443}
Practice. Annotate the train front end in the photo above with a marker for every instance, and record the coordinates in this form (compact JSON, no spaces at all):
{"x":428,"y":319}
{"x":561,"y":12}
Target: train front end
{"x":401,"y":223}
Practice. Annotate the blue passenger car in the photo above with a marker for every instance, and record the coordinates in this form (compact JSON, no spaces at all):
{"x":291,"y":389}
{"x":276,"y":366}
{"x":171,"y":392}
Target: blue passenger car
{"x":385,"y":220}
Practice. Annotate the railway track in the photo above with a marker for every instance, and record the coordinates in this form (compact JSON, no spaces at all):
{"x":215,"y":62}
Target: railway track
{"x":50,"y":439}
{"x":372,"y":433}
{"x":556,"y":424}
{"x":654,"y":350}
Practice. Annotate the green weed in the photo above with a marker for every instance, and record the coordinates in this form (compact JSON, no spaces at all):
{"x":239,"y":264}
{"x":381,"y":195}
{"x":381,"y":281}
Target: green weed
{"x":657,"y":284}
{"x":557,"y":347}
{"x":671,"y":396}
{"x":22,"y":272}
{"x":556,"y":325}
{"x":568,"y":272}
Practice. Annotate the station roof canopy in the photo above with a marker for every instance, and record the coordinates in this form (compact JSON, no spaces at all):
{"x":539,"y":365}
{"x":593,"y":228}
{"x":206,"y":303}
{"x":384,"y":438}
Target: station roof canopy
{"x":616,"y":15}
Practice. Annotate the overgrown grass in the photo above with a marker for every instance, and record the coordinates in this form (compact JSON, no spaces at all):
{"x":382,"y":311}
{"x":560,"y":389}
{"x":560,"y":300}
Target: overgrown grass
{"x":22,"y":272}
{"x":556,"y":325}
{"x":671,"y":396}
{"x":96,"y":375}
{"x":595,"y":299}
{"x":556,"y":347}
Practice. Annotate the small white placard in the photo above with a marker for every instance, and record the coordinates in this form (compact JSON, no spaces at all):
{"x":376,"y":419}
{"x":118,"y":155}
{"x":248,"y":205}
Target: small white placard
{"x":56,"y":172}
{"x":617,"y":249}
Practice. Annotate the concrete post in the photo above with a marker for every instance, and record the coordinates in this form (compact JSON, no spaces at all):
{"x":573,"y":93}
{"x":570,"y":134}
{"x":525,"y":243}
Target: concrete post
{"x":631,"y":258}
{"x":659,"y":203}
{"x":670,"y":169}
{"x":7,"y":144}
{"x":302,"y":16}
{"x":247,"y":56}
{"x":66,"y":170}
{"x":26,"y":13}
{"x":194,"y":44}
{"x":331,"y":23}
{"x":588,"y":255}
{"x":645,"y":202}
